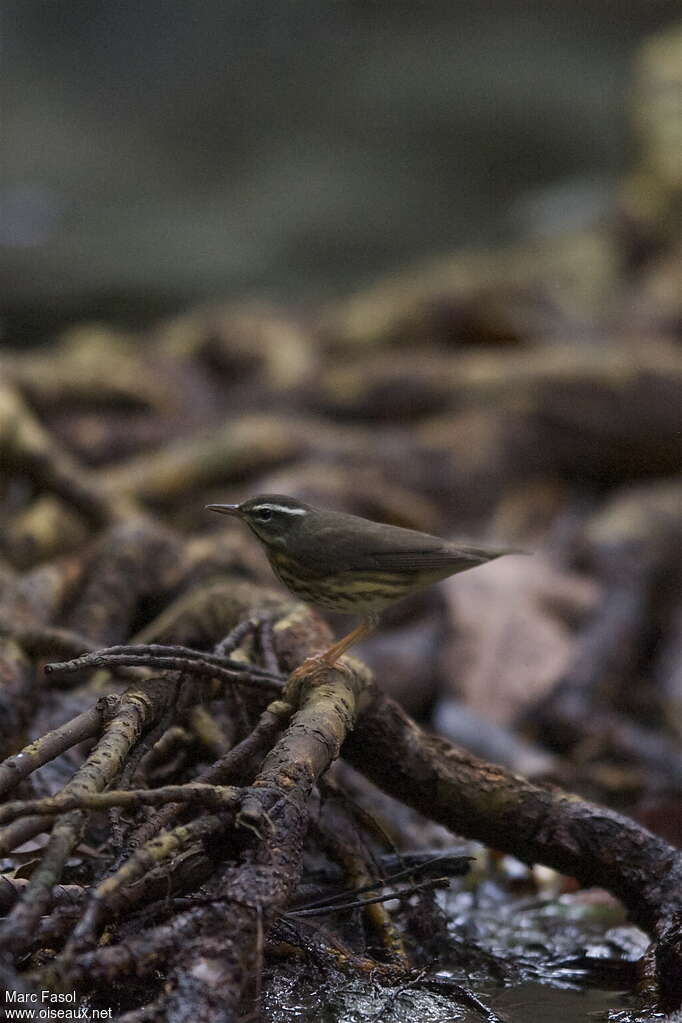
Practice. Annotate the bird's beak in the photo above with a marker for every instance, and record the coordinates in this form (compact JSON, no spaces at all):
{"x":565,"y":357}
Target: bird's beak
{"x":224,"y":509}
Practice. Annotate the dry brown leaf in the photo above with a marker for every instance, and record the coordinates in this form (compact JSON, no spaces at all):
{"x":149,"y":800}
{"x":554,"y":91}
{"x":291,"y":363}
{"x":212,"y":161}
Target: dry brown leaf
{"x":512,"y":636}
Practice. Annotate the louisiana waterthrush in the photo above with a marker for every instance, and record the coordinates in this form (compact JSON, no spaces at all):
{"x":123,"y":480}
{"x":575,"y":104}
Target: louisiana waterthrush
{"x":347,"y":563}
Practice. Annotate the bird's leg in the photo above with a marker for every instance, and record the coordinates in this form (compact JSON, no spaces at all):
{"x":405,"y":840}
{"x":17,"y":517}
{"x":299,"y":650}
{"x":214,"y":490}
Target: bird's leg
{"x":312,"y":666}
{"x":332,"y":655}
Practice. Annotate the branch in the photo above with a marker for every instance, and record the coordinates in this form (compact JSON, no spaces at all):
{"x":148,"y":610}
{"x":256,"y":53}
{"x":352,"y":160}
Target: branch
{"x":52,"y":744}
{"x":170,"y":658}
{"x":213,"y":796}
{"x":276,"y":811}
{"x":537,"y":824}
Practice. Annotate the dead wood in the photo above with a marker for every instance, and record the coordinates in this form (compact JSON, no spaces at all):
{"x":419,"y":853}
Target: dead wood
{"x":172,"y":794}
{"x":634,"y":540}
{"x":536,"y":824}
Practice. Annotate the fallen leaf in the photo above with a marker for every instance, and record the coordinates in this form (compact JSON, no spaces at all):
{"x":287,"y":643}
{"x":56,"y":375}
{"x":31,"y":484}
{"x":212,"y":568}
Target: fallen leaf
{"x":513,"y":633}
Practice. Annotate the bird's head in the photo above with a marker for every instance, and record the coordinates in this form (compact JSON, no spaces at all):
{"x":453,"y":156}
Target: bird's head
{"x":272,"y":517}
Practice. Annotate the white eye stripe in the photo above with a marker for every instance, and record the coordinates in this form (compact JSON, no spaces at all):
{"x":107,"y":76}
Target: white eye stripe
{"x":280,"y":508}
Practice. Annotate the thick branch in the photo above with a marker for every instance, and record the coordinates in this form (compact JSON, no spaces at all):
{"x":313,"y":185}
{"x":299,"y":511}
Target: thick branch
{"x":215,"y":968}
{"x":534,"y":823}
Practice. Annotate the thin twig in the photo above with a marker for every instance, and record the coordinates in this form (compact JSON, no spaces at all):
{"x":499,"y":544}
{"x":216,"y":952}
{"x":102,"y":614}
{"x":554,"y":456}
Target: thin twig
{"x":169,"y":658}
{"x":381,"y":882}
{"x":404,"y":893}
{"x":213,"y":796}
{"x":51,"y":745}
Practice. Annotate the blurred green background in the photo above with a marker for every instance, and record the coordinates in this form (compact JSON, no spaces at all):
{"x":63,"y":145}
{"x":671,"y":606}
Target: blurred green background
{"x":160,"y":153}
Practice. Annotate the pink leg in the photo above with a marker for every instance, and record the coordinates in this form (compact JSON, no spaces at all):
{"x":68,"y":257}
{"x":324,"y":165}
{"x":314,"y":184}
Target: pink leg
{"x":313,"y":665}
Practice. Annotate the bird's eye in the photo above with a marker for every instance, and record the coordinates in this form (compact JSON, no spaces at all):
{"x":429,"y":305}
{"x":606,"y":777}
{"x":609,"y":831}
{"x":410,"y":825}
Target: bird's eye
{"x":265,"y":514}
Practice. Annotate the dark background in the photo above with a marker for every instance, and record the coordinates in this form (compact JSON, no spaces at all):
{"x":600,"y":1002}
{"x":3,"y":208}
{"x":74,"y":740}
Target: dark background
{"x":159,"y":153}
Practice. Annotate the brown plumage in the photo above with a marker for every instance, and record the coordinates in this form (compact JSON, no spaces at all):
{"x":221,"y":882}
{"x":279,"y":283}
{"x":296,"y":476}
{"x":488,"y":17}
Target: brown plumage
{"x":347,"y":563}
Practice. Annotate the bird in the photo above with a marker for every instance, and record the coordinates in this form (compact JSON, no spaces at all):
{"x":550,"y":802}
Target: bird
{"x":349,"y":564}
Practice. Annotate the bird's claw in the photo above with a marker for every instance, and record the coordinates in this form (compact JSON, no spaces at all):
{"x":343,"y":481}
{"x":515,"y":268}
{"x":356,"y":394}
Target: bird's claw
{"x":312,"y":672}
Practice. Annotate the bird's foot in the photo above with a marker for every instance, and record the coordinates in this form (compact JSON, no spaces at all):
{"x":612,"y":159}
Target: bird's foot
{"x":312,"y":672}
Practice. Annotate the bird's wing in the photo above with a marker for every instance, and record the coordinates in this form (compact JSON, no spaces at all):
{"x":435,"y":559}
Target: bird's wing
{"x":394,"y":549}
{"x":406,"y":550}
{"x":448,"y":559}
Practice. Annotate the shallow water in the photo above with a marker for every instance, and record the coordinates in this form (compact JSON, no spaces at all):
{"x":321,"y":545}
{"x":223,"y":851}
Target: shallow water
{"x":565,"y":959}
{"x":529,"y":1002}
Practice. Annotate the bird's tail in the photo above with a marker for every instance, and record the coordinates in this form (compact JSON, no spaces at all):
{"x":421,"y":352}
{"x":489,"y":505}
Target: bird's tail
{"x":483,"y":554}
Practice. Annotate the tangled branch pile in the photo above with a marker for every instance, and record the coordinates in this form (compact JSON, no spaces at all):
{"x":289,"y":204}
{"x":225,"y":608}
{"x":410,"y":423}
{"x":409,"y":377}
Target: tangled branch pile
{"x":183,"y":810}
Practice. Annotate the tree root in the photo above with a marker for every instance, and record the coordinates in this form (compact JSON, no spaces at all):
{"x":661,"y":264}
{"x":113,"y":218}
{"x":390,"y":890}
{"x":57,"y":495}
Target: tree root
{"x":532,"y":822}
{"x":536,"y":824}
